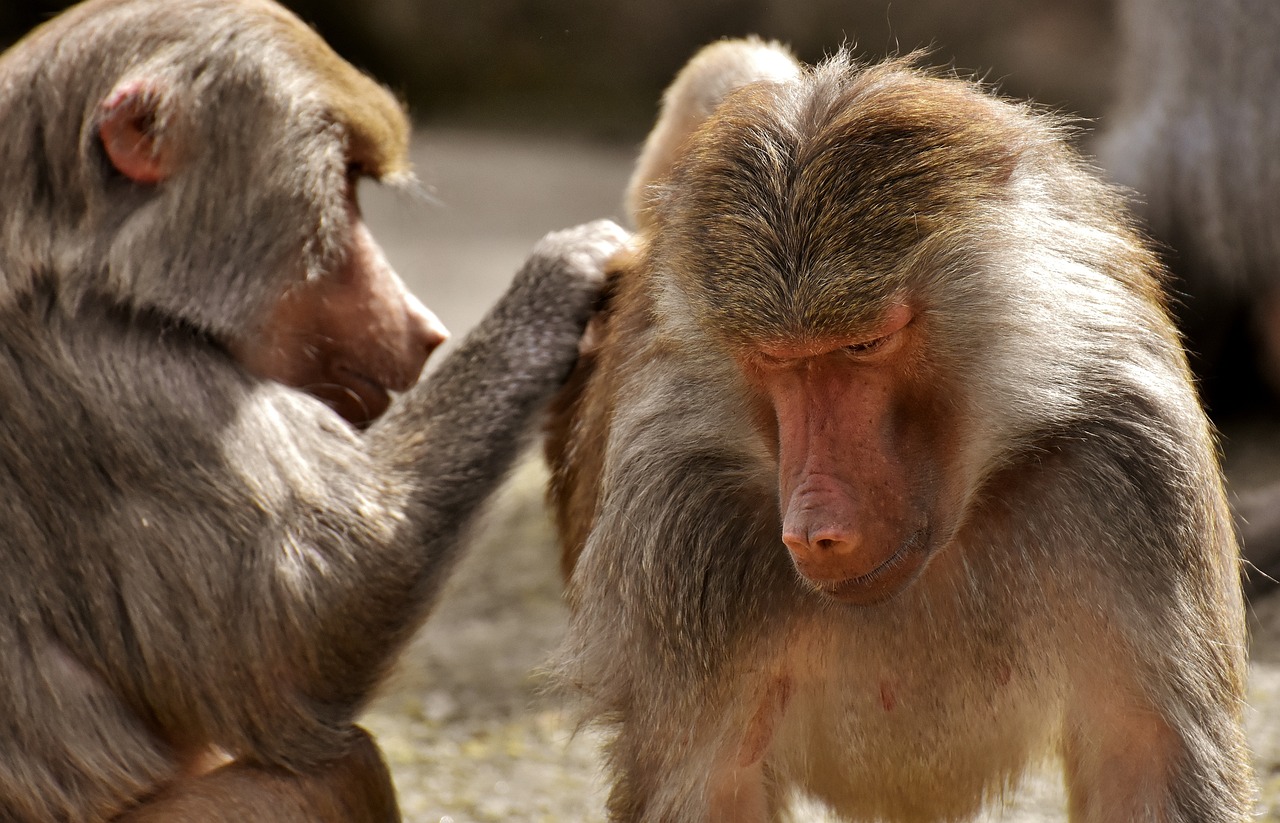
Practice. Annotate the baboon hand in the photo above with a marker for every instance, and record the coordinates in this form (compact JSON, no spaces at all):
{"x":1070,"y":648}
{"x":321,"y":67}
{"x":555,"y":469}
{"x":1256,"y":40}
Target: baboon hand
{"x":568,"y":266}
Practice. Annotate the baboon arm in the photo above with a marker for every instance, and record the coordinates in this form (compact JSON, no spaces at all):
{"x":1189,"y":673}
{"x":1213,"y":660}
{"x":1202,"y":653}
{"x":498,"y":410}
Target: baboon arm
{"x":263,"y":522}
{"x":355,"y":788}
{"x":464,"y":426}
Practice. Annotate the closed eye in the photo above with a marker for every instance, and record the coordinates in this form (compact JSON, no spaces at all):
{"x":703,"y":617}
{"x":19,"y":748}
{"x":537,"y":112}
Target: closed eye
{"x":867,"y":346}
{"x":885,"y":344}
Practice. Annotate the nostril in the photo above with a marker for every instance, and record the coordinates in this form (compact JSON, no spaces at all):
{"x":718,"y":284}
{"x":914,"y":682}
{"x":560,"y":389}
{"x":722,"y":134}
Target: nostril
{"x":818,"y":543}
{"x":831,"y":537}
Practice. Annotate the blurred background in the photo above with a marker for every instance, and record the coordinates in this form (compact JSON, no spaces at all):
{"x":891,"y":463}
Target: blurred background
{"x":597,"y":67}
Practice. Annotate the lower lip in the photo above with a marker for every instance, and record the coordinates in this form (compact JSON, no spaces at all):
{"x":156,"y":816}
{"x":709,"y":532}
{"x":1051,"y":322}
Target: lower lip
{"x":374,"y":398}
{"x":885,"y":581}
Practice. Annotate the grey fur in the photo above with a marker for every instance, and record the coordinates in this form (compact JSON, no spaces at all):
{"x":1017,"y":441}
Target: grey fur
{"x":1195,"y":132}
{"x":194,"y":556}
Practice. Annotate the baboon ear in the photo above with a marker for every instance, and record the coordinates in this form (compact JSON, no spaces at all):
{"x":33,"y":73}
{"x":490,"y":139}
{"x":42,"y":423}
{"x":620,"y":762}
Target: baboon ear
{"x":691,"y":99}
{"x":130,"y":126}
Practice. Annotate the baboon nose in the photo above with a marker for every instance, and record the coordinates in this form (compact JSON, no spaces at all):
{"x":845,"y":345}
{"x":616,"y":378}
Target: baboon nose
{"x":408,"y":350}
{"x":425,"y":329}
{"x":830,"y":553}
{"x":823,"y":544}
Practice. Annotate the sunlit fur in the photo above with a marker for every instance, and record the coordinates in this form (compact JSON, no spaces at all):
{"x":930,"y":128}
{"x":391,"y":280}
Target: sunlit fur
{"x":199,"y":560}
{"x":1086,"y":603}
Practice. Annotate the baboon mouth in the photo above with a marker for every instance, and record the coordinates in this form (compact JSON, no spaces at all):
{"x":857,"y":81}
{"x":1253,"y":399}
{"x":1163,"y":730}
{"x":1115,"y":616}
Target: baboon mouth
{"x":358,"y":397}
{"x":884,"y":581}
{"x":359,"y":381}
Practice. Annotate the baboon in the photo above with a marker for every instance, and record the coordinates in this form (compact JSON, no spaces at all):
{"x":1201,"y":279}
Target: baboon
{"x":207,"y":569}
{"x":887,"y":477}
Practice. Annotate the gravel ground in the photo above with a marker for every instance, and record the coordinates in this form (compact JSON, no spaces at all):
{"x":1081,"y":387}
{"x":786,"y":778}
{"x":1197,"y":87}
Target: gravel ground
{"x":465,"y":724}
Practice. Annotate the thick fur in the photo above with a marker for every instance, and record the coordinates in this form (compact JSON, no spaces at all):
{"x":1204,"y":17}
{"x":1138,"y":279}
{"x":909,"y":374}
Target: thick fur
{"x":1087,"y":604}
{"x":196,"y":558}
{"x":1195,"y":132}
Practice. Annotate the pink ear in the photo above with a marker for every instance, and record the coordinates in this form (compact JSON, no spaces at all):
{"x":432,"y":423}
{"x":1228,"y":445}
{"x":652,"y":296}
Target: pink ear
{"x":130,"y":134}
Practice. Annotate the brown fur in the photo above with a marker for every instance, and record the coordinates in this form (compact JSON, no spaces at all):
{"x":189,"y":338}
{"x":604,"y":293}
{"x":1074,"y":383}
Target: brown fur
{"x":1195,"y":132}
{"x":1079,"y":593}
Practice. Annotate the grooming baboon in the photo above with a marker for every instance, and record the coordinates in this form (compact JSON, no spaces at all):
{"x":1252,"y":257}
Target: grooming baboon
{"x":887,"y":477}
{"x":203,"y":565}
